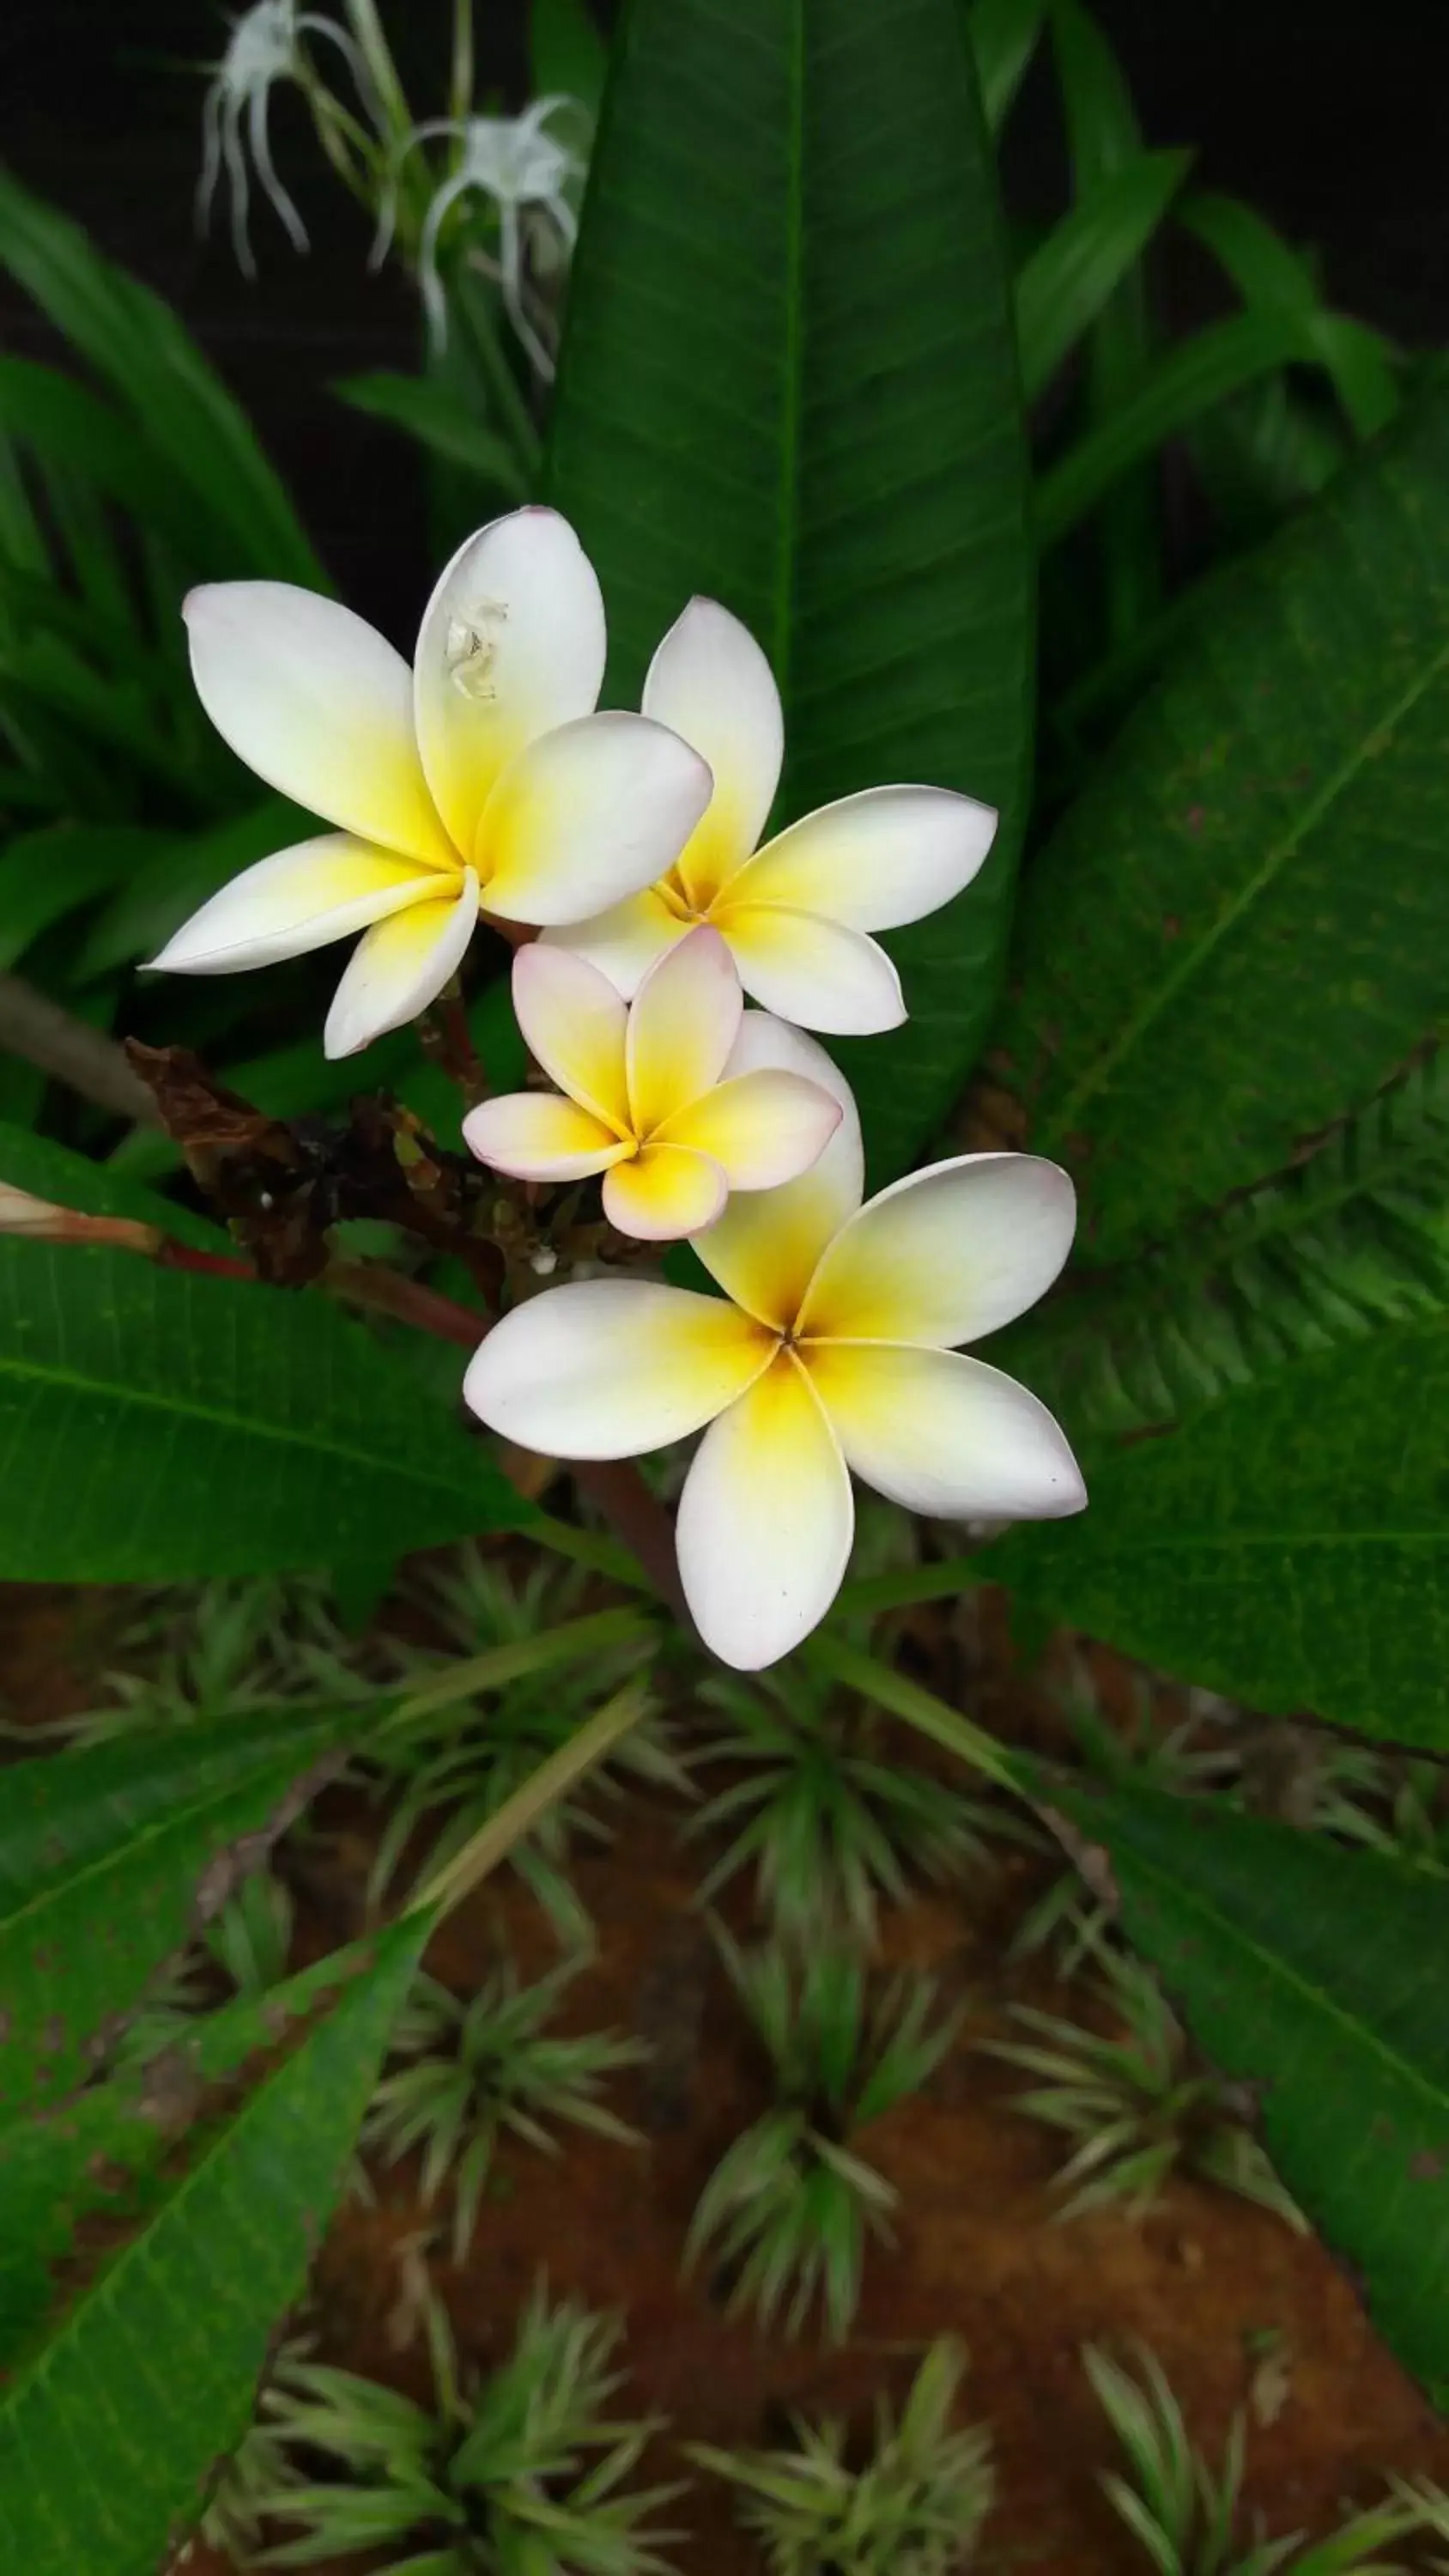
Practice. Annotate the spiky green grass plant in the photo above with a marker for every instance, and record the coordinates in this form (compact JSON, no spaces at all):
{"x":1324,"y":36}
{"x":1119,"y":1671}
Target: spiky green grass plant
{"x":466,"y":2074}
{"x":522,"y":2472}
{"x":910,"y":2503}
{"x":829,"y":1824}
{"x":788,"y":2208}
{"x":1187,"y":2517}
{"x":1136,"y":2106}
{"x":243,"y":1953}
{"x":456,"y":1769}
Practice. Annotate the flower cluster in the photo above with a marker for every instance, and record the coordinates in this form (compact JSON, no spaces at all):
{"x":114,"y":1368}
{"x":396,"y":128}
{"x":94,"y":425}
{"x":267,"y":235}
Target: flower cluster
{"x":485,"y":784}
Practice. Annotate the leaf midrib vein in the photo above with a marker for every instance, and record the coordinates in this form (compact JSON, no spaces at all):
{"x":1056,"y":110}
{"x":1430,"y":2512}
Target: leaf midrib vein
{"x":1336,"y":785}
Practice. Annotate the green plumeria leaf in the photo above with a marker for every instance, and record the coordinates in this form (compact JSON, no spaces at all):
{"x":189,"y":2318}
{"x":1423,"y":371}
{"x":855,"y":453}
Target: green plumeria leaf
{"x":1289,"y":1545}
{"x":440,"y":422}
{"x":1234,"y":937}
{"x":175,"y":2330}
{"x":112,"y":1856}
{"x":1316,"y":1978}
{"x":1064,"y":284}
{"x":101,"y":2148}
{"x":1352,"y":1240}
{"x":789,"y":381}
{"x":155,"y":1424}
{"x":137,"y":344}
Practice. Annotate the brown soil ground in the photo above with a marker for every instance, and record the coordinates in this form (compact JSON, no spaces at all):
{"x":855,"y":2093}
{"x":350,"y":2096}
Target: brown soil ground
{"x":1202,"y":2278}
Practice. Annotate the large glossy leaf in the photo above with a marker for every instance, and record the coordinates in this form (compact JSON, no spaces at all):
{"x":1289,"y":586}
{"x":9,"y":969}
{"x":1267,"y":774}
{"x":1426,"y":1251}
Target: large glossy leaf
{"x":1318,"y":1979}
{"x":156,"y":1424}
{"x":112,"y":1856}
{"x":1237,"y":934}
{"x":137,"y":344}
{"x":1352,"y":1239}
{"x":109,"y":2439}
{"x":788,"y":380}
{"x":1288,"y":1546}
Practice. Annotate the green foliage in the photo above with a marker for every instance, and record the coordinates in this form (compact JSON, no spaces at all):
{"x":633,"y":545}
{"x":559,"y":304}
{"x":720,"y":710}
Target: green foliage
{"x":175,"y":2329}
{"x":519,"y":2473}
{"x":1286,"y":1546}
{"x":1187,"y":2517}
{"x":1231,"y":940}
{"x":151,"y":366}
{"x":828,"y":1818}
{"x":786,"y":2212}
{"x":1315,"y":1978}
{"x":1341,"y":1246}
{"x":913,"y":2505}
{"x":146,"y":1835}
{"x":465,"y":1762}
{"x":1133,"y":2106}
{"x":467,"y":2074}
{"x":708,"y":432}
{"x":154,"y":1423}
{"x":442,"y":424}
{"x":248,"y":1944}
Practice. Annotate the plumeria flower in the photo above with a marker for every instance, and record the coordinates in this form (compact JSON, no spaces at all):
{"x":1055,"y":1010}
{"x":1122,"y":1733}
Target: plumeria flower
{"x":797,"y":912}
{"x":265,"y":46}
{"x":527,"y":172}
{"x":650,"y":1098}
{"x":482,"y":775}
{"x":830,"y":1351}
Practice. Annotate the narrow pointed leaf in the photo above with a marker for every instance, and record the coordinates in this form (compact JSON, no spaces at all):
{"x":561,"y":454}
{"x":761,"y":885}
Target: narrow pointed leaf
{"x":788,"y":381}
{"x":1235,"y":937}
{"x":108,"y":2442}
{"x":112,"y":1856}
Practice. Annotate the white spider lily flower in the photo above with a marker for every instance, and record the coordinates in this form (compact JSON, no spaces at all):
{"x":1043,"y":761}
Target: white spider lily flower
{"x":646,"y":1094}
{"x":527,"y":173}
{"x":831,"y":1350}
{"x":796,"y":913}
{"x":264,"y":47}
{"x":481,"y":777}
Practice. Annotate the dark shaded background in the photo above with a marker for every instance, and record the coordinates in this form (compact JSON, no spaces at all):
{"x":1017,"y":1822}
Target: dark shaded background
{"x":1332,"y":118}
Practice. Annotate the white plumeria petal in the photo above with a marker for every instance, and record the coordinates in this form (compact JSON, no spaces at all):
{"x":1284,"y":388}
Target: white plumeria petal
{"x":399,"y":967}
{"x":511,"y":644}
{"x":762,"y":1128}
{"x":664,"y":1193}
{"x":945,"y":1434}
{"x":573,"y":1023}
{"x":764,"y":1249}
{"x":875,"y":860}
{"x":319,"y":705}
{"x":813,"y":971}
{"x":710,"y":681}
{"x":538,"y":1137}
{"x":765,"y":1521}
{"x":591,"y":812}
{"x":624,"y":941}
{"x":293,"y":902}
{"x":609,"y":1368}
{"x":683,"y":1021}
{"x":947,"y":1255}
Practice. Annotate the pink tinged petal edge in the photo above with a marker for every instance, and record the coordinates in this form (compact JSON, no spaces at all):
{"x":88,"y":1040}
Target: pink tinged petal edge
{"x":573,"y":1022}
{"x":766,"y":1521}
{"x":536,"y":1136}
{"x":683,"y":1022}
